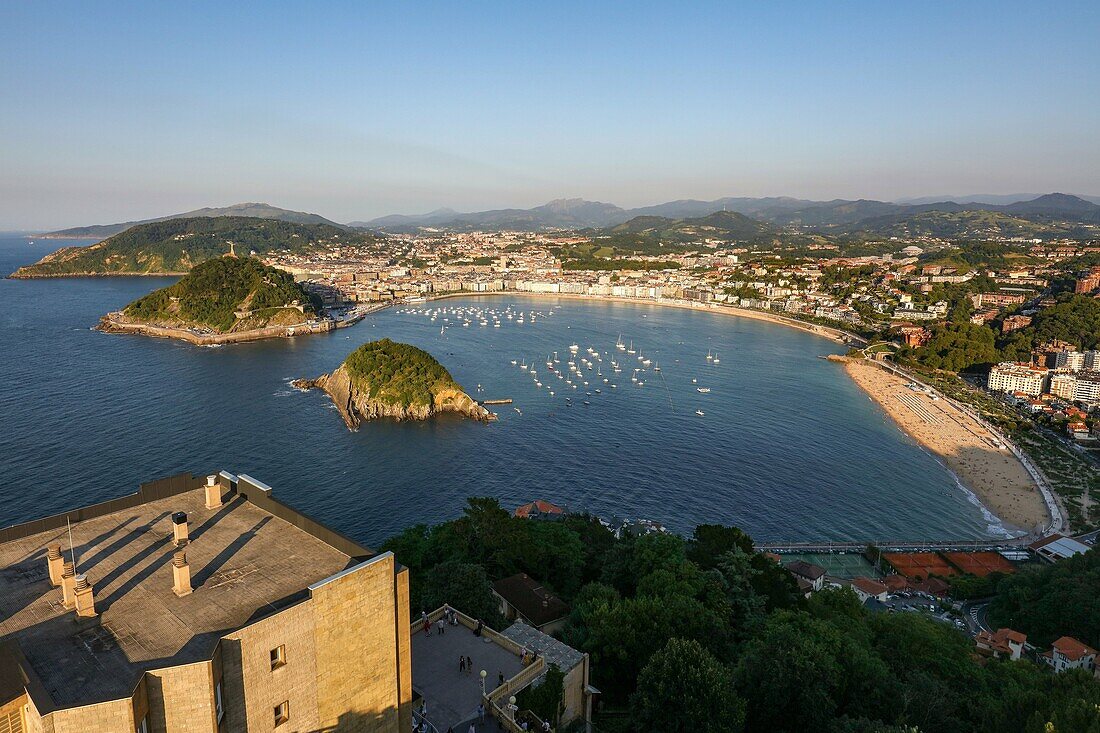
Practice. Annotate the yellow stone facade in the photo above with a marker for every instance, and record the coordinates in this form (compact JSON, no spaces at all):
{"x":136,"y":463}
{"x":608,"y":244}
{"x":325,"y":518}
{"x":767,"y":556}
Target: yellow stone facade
{"x":347,"y":668}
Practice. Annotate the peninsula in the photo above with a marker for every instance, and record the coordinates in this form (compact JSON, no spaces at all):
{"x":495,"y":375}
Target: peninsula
{"x":174,"y":246}
{"x":388,"y":379}
{"x":223,"y":300}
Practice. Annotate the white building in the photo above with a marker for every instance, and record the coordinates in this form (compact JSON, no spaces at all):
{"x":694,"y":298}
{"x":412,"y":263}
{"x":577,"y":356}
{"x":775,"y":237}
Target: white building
{"x":1071,"y":360}
{"x":1012,"y":377}
{"x":1068,"y":653}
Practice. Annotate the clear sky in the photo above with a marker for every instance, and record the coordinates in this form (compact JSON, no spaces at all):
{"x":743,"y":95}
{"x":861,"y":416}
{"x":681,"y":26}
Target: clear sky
{"x":113,"y":111}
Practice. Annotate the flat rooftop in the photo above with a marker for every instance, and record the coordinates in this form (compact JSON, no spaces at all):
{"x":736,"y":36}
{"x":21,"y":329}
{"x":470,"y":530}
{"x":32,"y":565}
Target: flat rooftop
{"x":246,"y":562}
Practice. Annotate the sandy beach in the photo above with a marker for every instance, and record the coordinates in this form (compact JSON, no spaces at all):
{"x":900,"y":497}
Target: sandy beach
{"x":993,"y":473}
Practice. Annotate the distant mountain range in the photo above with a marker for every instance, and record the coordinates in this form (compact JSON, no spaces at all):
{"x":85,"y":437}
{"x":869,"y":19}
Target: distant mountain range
{"x":252,"y":210}
{"x":839,"y":216}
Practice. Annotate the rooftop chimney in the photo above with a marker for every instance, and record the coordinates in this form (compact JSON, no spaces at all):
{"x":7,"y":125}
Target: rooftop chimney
{"x":55,"y":563}
{"x":213,"y":492}
{"x":68,"y":583}
{"x":181,"y":573}
{"x":85,"y":600}
{"x":179,"y":527}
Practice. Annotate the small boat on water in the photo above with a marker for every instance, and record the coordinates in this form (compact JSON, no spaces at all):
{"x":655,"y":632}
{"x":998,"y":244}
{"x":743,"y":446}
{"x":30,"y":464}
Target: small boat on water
{"x":574,"y":348}
{"x":699,"y":412}
{"x":703,"y":390}
{"x":710,"y":356}
{"x":716,"y":359}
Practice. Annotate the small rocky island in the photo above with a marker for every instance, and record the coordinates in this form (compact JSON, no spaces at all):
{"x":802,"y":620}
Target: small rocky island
{"x":223,"y":300}
{"x":386,"y":379}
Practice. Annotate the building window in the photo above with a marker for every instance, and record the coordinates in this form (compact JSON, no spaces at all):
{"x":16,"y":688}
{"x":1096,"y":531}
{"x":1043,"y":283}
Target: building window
{"x":143,"y":725}
{"x":282,"y":712}
{"x":278,"y":656}
{"x":218,"y":708}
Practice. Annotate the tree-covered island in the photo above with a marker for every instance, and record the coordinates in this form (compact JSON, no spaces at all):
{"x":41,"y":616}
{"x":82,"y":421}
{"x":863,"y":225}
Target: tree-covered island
{"x":389,"y":379}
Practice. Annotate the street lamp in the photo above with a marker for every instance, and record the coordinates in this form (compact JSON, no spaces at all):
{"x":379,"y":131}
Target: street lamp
{"x":512,"y":707}
{"x":483,"y":675}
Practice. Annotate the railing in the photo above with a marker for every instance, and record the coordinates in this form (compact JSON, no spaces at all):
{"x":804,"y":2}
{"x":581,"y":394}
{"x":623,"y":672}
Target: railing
{"x":420,"y":720}
{"x":495,"y":700}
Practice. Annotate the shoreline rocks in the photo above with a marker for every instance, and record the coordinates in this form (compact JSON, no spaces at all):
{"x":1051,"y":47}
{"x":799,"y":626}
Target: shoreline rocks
{"x":356,"y":406}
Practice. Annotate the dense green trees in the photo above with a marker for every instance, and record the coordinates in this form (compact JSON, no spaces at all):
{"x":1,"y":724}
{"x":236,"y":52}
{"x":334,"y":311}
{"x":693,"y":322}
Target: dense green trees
{"x":397,"y":373}
{"x":1051,"y":601}
{"x":177,"y":245}
{"x":215,"y":290}
{"x":959,"y":344}
{"x":684,"y":688}
{"x":706,"y":634}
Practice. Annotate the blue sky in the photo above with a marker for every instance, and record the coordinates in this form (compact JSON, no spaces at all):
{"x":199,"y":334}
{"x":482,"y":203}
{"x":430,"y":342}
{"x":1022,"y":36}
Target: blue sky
{"x":110,"y":111}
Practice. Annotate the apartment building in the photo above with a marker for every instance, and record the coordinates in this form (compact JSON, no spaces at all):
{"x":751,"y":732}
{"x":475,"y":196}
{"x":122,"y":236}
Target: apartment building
{"x":199,"y":604}
{"x":1014,"y":377}
{"x":1069,"y":360}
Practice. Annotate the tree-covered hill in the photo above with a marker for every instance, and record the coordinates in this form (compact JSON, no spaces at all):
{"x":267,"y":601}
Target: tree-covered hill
{"x":255,"y":210}
{"x":213,"y":294}
{"x":398,"y":374}
{"x":959,"y":345}
{"x":176,"y":245}
{"x":703,"y":633}
{"x":718,"y":225}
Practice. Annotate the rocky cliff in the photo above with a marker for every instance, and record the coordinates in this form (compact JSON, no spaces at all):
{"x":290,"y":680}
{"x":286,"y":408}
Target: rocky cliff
{"x":357,"y":406}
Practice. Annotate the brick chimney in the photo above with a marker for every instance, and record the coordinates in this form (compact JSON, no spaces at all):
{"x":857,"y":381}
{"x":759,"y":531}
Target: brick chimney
{"x":213,"y":492}
{"x":85,"y":599}
{"x":68,"y":586}
{"x":179,"y":527}
{"x":56,"y":564}
{"x":181,"y":573}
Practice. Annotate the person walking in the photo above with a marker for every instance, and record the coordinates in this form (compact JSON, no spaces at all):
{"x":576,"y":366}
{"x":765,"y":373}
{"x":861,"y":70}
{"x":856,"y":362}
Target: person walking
{"x":441,"y":626}
{"x":472,"y":729}
{"x":481,"y":712}
{"x":427,"y":627}
{"x":461,"y":663}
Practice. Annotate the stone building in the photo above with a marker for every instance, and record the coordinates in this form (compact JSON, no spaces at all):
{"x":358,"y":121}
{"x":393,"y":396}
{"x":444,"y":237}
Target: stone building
{"x":199,"y":604}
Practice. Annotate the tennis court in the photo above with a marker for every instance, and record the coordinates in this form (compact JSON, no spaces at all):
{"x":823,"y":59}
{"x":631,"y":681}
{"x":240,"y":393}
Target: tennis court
{"x":979,"y":563}
{"x":919,"y":565}
{"x":837,"y":565}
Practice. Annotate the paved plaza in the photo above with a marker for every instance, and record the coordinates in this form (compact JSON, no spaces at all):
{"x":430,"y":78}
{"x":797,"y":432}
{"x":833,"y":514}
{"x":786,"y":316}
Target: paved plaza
{"x":452,"y":696}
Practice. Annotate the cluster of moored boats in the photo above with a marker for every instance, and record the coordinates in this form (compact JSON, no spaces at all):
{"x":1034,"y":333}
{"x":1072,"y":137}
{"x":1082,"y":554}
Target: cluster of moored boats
{"x":466,"y":316}
{"x":592,"y":370}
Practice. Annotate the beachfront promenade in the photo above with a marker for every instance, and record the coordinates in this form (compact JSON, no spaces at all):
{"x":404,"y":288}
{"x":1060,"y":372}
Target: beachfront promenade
{"x":1013,"y":543}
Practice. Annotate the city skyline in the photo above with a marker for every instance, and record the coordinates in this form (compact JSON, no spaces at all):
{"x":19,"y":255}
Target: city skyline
{"x":132,"y":111}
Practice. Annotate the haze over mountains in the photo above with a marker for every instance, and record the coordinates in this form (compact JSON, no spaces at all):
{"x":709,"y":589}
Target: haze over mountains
{"x":839,"y":215}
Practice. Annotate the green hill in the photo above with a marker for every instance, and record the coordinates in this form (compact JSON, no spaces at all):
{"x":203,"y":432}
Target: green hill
{"x":398,"y":374}
{"x":728,"y":225}
{"x":979,"y":224}
{"x":176,"y":245}
{"x":227,"y":294}
{"x":252,"y":210}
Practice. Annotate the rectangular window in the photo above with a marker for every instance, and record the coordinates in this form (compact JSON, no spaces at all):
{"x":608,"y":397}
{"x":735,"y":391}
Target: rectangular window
{"x":218,"y":701}
{"x":282,"y":712}
{"x":278,"y":656}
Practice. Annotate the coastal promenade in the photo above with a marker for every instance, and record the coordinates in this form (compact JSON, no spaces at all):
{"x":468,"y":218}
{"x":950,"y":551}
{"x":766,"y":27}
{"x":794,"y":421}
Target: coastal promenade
{"x":116,"y":323}
{"x":1013,"y":543}
{"x":1057,"y":517}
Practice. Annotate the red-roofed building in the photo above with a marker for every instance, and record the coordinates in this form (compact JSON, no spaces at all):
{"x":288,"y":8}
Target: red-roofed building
{"x":1001,"y":643}
{"x":540,"y":509}
{"x":896,"y":583}
{"x":866,"y":588}
{"x":1068,"y":653}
